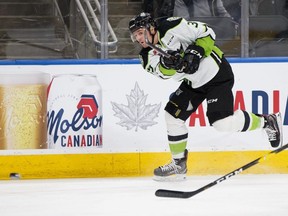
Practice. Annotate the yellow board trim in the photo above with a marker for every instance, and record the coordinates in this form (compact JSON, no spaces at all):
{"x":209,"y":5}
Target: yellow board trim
{"x":134,"y":164}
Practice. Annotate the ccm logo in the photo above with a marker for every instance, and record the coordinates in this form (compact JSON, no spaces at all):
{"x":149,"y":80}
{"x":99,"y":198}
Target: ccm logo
{"x":212,"y":100}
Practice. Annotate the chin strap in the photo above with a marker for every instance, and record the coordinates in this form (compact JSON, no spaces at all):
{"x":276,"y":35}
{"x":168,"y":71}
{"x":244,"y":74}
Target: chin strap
{"x":153,"y":36}
{"x":148,"y":28}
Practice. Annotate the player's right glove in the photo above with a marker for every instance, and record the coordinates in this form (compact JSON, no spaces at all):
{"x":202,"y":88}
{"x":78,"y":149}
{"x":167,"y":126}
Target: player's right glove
{"x":172,"y":62}
{"x":191,"y":60}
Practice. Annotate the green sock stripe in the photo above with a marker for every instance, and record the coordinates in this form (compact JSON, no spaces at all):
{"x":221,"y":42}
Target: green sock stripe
{"x":256,"y":122}
{"x":177,"y":148}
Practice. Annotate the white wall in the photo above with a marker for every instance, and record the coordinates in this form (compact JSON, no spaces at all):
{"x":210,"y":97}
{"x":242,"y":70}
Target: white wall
{"x":123,"y":82}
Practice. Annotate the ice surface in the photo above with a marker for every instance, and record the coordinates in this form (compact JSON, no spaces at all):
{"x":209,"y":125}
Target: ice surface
{"x":263,"y":195}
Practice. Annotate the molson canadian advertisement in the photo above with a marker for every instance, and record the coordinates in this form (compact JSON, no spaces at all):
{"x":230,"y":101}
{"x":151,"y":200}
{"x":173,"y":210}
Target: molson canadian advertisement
{"x":74,"y":114}
{"x":120,"y":108}
{"x":23,"y":110}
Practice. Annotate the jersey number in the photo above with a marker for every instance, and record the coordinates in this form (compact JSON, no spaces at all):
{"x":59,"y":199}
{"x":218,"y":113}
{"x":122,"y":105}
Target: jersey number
{"x":193,"y":23}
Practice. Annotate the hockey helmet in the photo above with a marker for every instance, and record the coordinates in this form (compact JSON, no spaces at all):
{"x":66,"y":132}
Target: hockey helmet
{"x":142,"y":20}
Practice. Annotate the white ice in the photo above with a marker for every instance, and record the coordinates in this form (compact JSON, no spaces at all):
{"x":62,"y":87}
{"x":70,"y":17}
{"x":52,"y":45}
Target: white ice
{"x":241,"y":195}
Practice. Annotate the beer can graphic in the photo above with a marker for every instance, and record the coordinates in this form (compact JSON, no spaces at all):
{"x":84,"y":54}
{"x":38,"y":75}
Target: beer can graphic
{"x":74,"y":117}
{"x":23,"y":108}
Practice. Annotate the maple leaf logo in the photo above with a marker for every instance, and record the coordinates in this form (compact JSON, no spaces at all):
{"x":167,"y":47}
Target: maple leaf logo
{"x":136,"y":113}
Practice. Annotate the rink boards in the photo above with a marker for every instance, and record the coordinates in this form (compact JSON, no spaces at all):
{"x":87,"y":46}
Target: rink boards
{"x":137,"y":148}
{"x":134,"y":164}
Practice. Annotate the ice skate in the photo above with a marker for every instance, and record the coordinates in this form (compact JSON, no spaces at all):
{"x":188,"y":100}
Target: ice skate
{"x":174,"y":171}
{"x":273,"y":128}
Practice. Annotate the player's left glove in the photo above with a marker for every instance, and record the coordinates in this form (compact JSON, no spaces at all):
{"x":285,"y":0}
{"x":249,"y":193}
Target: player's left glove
{"x":172,"y":62}
{"x":191,"y":60}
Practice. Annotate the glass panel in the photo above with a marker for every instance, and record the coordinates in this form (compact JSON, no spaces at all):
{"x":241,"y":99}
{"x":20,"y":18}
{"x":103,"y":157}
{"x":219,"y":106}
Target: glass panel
{"x":268,"y":28}
{"x":222,"y":16}
{"x":42,"y":29}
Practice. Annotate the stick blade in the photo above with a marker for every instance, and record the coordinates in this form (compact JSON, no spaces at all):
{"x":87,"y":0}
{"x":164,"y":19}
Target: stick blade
{"x":188,"y":194}
{"x":173,"y":194}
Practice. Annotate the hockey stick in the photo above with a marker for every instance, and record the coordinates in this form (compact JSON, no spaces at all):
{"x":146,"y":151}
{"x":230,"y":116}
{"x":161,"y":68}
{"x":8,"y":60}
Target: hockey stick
{"x":162,"y":52}
{"x":188,"y":194}
{"x":151,"y":45}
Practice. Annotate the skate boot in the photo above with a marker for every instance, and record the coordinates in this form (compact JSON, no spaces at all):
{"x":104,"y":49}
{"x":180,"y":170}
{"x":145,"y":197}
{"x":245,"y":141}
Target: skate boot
{"x":174,"y":171}
{"x":273,"y":128}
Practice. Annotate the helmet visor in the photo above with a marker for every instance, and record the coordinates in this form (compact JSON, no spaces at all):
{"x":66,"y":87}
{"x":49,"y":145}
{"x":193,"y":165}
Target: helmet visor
{"x":143,"y":20}
{"x":136,"y":32}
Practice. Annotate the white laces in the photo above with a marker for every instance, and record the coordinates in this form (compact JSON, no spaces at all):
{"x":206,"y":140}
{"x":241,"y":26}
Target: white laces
{"x":169,"y":167}
{"x":271,"y":134}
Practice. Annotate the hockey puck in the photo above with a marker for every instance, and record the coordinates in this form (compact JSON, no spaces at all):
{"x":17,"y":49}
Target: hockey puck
{"x":15,"y":176}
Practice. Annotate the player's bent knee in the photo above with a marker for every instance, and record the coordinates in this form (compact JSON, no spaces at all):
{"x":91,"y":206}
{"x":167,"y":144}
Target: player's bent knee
{"x":232,"y":123}
{"x":175,"y":125}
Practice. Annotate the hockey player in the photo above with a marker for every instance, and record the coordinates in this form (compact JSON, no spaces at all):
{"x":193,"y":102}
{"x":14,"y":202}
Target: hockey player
{"x":204,"y":73}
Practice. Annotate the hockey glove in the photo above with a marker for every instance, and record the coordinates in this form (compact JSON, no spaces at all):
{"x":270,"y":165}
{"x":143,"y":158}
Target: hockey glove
{"x":172,"y":62}
{"x":191,"y":60}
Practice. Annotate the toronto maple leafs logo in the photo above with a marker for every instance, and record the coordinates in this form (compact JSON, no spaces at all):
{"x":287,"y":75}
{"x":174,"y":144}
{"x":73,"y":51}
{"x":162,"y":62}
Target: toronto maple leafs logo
{"x":136,"y":114}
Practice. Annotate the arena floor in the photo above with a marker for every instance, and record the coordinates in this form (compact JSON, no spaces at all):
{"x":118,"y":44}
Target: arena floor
{"x":265,"y":195}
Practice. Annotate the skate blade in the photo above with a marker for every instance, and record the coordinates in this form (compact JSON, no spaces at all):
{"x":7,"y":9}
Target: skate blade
{"x":172,"y":178}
